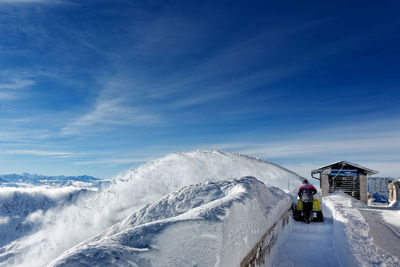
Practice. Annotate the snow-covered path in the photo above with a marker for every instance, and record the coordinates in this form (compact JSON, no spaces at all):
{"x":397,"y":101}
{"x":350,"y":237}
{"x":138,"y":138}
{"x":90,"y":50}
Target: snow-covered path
{"x":384,"y":234}
{"x":307,"y":245}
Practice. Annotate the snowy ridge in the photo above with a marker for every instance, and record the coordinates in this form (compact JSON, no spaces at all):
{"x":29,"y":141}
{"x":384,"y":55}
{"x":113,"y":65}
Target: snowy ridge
{"x":216,"y":165}
{"x":351,"y":231}
{"x":64,"y":228}
{"x":199,"y":225}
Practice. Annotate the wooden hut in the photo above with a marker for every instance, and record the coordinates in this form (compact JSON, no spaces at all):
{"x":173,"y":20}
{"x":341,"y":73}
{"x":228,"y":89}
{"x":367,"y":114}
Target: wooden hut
{"x":343,"y":175}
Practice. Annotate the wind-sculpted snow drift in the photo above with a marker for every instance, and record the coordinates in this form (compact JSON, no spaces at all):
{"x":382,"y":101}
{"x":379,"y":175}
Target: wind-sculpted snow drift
{"x":216,"y":223}
{"x":89,"y":215}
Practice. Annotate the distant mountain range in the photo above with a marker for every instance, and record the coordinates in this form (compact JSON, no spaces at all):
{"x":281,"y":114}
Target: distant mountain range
{"x":36,"y":179}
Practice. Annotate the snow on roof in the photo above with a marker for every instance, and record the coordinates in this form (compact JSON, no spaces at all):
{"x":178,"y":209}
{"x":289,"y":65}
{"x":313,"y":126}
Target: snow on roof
{"x":346,"y":163}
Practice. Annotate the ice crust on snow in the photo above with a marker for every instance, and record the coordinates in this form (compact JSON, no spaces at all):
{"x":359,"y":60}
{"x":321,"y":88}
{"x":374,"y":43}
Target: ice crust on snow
{"x":65,"y":227}
{"x":350,"y":232}
{"x":209,"y":224}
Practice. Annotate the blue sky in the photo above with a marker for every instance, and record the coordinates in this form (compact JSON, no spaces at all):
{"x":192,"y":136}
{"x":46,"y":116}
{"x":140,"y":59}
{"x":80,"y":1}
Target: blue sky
{"x":98,"y":87}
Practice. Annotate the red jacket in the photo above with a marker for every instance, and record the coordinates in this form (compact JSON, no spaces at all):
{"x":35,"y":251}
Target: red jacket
{"x":308,"y":190}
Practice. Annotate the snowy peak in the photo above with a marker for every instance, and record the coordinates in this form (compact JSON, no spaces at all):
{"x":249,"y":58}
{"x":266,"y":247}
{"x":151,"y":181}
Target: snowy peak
{"x":201,"y":166}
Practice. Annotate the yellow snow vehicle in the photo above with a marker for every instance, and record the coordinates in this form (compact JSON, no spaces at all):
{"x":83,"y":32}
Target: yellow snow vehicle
{"x":316,"y":213}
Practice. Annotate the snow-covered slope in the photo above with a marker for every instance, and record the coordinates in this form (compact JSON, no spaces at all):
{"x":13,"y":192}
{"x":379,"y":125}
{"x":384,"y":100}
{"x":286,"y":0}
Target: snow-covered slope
{"x":211,"y":224}
{"x":65,"y":228}
{"x":21,"y":209}
{"x":24,"y":198}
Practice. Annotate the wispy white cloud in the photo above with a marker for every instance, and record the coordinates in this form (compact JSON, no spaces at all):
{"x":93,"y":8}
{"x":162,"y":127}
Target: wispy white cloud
{"x":15,"y":88}
{"x":376,"y":148}
{"x":225,"y":88}
{"x":22,"y":134}
{"x":227,"y":70}
{"x":385,"y":169}
{"x":114,"y":106}
{"x":39,"y":153}
{"x":113,"y":161}
{"x":17,"y":84}
{"x":339,"y":146}
{"x":200,"y":99}
{"x":4,"y":220}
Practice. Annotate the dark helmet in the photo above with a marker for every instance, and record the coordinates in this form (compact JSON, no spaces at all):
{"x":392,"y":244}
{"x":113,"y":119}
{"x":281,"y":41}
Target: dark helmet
{"x":305,"y":181}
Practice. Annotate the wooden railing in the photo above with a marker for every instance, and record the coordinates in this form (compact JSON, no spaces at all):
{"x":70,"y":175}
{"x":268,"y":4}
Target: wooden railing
{"x":262,"y":249}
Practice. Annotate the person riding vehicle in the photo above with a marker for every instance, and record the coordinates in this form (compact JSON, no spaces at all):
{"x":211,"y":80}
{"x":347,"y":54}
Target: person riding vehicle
{"x":306,"y":194}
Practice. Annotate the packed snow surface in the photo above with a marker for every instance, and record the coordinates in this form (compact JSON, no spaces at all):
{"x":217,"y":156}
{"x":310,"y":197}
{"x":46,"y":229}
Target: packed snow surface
{"x":307,"y":245}
{"x":63,"y":228}
{"x":352,"y":234}
{"x":384,"y":226}
{"x":210,"y":224}
{"x":349,"y":236}
{"x":391,"y":217}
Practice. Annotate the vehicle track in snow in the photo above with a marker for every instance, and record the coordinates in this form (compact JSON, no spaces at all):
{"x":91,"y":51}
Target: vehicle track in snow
{"x":307,"y":245}
{"x":384,"y":235}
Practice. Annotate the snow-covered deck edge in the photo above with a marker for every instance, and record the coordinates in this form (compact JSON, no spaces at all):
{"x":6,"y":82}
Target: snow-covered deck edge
{"x":258,"y":256}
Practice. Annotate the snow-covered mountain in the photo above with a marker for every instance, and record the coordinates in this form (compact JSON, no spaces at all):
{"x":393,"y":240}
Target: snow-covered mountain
{"x":25,"y":198}
{"x":63,"y":228}
{"x":190,"y":209}
{"x":198,"y":225}
{"x":27,"y":179}
{"x":22,"y":209}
